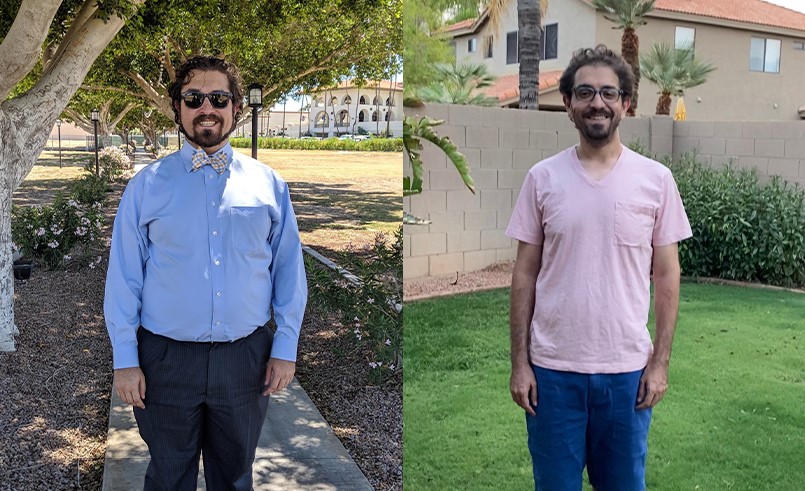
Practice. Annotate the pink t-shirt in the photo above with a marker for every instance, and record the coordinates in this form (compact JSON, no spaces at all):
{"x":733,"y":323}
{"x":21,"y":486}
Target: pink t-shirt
{"x":592,"y":293}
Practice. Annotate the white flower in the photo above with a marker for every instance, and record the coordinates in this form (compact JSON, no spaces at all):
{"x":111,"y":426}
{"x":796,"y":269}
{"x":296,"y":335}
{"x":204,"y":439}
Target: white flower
{"x":72,"y":203}
{"x":67,"y":257}
{"x":391,"y":366}
{"x":370,"y":300}
{"x":81,"y":231}
{"x":388,"y":342}
{"x":40,"y":232}
{"x":373,"y":364}
{"x":53,"y":244}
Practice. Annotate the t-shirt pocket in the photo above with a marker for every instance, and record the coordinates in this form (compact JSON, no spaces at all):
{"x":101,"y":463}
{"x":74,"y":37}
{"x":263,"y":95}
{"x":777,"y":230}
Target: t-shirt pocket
{"x":634,"y":224}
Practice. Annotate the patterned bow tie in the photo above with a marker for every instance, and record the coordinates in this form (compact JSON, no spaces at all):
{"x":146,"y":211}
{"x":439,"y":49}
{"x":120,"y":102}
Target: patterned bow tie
{"x":217,"y":160}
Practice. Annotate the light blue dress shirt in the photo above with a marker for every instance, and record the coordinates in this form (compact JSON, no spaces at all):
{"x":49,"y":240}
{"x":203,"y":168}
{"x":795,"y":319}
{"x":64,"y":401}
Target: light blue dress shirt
{"x":201,"y":256}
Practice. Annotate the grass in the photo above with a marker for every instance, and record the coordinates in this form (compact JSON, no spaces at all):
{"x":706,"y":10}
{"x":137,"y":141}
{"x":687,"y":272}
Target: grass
{"x":340,"y":198}
{"x":733,"y":417}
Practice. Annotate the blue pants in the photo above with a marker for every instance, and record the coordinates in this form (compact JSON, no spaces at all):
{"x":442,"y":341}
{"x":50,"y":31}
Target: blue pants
{"x":590,"y":420}
{"x":202,"y":398}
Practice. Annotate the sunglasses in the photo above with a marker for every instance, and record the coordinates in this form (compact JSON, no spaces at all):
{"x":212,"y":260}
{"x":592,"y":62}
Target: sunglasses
{"x":218,"y":98}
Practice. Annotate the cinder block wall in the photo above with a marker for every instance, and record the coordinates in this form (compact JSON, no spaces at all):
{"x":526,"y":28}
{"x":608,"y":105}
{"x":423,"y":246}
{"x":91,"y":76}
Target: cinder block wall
{"x":467,"y":230}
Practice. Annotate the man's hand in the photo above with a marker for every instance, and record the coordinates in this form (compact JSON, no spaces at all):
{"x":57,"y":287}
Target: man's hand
{"x":279,"y":374}
{"x":523,"y":386}
{"x":130,"y":386}
{"x":653,"y":385}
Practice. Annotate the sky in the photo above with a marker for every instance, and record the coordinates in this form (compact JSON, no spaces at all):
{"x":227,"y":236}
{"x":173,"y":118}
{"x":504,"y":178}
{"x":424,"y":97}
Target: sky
{"x":798,"y":5}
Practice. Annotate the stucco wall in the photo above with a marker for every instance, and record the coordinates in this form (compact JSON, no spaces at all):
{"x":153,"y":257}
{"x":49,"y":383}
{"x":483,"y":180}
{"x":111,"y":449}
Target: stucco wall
{"x":467,"y":230}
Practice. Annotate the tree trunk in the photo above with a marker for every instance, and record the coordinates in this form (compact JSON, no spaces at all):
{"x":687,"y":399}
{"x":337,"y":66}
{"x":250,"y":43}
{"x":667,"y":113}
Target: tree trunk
{"x":26,"y":121}
{"x":528,"y":47}
{"x":630,"y":49}
{"x":664,"y":104}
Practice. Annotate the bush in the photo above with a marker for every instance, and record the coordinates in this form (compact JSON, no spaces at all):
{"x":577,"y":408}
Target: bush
{"x":89,"y":189}
{"x":370,"y":145}
{"x":165,"y":151}
{"x":112,"y":162}
{"x":51,"y":233}
{"x":743,"y":229}
{"x":373,"y":309}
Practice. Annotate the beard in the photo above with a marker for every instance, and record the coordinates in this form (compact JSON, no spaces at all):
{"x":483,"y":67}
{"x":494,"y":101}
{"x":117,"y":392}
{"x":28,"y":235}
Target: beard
{"x":207,"y":137}
{"x":597,"y":133}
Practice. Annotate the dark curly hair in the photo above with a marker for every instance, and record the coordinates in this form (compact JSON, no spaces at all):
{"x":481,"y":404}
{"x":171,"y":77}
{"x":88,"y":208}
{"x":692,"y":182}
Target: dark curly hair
{"x":207,"y":64}
{"x":598,"y":56}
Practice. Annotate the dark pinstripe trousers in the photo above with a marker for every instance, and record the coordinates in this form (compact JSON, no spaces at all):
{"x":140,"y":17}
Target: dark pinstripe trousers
{"x":202,"y":398}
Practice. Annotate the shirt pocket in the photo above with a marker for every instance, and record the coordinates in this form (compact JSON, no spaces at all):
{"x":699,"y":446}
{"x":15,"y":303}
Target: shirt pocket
{"x":249,"y":228}
{"x":634,"y":224}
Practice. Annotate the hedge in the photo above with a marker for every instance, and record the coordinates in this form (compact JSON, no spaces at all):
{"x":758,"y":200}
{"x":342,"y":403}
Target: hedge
{"x":743,"y":229}
{"x":370,"y":145}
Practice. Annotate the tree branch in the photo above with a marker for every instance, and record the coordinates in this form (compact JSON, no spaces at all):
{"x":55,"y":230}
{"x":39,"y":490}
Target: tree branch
{"x":82,"y":17}
{"x":115,"y":89}
{"x":151,"y":93}
{"x":26,"y":35}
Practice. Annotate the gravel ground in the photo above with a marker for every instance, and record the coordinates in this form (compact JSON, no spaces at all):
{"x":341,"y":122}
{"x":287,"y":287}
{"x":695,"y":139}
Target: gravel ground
{"x":54,"y":390}
{"x":495,"y":276}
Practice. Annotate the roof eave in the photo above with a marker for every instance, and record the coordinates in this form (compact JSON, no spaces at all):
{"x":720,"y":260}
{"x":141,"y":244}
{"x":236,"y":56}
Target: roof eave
{"x":715,"y":21}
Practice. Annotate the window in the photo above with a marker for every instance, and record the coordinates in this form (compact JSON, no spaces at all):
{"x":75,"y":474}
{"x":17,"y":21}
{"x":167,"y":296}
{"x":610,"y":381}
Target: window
{"x":511,"y":48}
{"x":488,"y":46}
{"x":472,"y":45}
{"x":799,"y":45}
{"x":764,"y":55}
{"x":684,"y":37}
{"x":549,"y":42}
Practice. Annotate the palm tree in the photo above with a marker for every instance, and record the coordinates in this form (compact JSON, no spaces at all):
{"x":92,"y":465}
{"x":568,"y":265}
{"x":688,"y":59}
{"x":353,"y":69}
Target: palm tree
{"x":459,"y":84}
{"x":628,"y":15}
{"x":529,"y":23}
{"x":673,"y":70}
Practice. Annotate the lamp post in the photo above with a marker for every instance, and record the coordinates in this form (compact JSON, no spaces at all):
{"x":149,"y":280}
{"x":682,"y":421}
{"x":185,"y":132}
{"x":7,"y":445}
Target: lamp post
{"x":94,"y":116}
{"x":255,"y":101}
{"x":58,"y":126}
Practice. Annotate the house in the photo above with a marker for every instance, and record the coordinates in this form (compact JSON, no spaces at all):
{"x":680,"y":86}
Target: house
{"x":757,"y":47}
{"x":375,"y":107}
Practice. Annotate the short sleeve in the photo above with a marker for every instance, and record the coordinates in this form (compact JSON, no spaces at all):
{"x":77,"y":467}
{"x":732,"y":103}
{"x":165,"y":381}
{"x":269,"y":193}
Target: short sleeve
{"x":672,"y":222}
{"x":526,"y":221}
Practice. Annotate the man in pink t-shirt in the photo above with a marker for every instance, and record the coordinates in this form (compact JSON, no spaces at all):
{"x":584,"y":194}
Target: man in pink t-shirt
{"x":593,"y":222}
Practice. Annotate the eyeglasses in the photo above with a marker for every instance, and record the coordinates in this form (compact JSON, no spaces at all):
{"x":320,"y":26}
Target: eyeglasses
{"x":194,"y":99}
{"x":585,"y":93}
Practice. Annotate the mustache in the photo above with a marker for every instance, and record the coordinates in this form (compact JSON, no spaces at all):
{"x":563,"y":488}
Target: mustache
{"x":207,"y":117}
{"x":597,"y":112}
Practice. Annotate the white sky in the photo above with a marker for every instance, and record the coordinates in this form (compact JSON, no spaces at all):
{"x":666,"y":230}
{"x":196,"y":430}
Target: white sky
{"x":798,"y":5}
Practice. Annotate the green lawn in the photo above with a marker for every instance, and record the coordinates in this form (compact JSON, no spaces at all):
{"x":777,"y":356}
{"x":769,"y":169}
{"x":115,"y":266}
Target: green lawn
{"x":733,"y":418}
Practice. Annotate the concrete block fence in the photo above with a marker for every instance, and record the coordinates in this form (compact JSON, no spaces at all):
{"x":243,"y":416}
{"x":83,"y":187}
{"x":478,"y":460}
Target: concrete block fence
{"x":467,"y":230}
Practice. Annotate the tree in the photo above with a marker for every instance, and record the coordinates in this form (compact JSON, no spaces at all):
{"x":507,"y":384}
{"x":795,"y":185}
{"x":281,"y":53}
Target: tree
{"x":46,"y":49}
{"x":280,"y":44}
{"x":628,"y":15}
{"x":112,"y":109}
{"x":459,"y":84}
{"x":673,"y":70}
{"x":423,"y":47}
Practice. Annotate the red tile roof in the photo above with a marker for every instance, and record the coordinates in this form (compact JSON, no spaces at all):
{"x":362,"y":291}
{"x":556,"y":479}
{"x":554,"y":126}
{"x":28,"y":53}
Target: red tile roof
{"x":749,"y":11}
{"x":507,"y":87}
{"x":460,"y":25}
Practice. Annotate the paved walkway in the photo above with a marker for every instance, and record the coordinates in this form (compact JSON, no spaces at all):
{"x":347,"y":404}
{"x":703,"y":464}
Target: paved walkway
{"x":297,"y":450}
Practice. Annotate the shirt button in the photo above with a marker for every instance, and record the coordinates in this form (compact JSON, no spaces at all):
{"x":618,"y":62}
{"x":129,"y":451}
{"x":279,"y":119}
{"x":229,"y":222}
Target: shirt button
{"x":217,"y":323}
{"x":215,"y":233}
{"x":218,"y":294}
{"x":209,"y":176}
{"x":212,"y":203}
{"x":217,"y":262}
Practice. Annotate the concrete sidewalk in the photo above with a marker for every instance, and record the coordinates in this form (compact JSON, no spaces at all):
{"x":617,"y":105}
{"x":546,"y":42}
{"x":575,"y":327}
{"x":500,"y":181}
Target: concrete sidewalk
{"x":297,"y":451}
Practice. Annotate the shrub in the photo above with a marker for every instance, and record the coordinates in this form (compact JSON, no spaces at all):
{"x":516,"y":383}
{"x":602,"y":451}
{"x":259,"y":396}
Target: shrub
{"x":112,"y":162}
{"x":52,"y":233}
{"x":165,"y":151}
{"x":372,"y":310}
{"x":371,"y":145}
{"x":89,"y":189}
{"x":743,"y":229}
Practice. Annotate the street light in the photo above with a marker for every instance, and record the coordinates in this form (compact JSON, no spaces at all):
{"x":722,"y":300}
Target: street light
{"x":94,"y":116}
{"x":58,"y":125}
{"x":255,"y":101}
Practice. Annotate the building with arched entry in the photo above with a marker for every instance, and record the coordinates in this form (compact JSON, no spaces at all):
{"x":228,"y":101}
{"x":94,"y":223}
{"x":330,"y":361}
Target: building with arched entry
{"x":348,"y":108}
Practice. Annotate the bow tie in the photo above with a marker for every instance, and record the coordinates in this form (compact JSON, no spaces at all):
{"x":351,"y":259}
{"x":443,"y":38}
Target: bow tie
{"x":217,"y":160}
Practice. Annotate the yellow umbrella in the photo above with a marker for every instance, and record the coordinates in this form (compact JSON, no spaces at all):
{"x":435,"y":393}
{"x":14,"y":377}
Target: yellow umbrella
{"x":681,"y":113}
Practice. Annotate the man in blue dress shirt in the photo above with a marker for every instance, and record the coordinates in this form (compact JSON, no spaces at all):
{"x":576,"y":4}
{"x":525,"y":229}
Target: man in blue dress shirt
{"x":205,"y":245}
